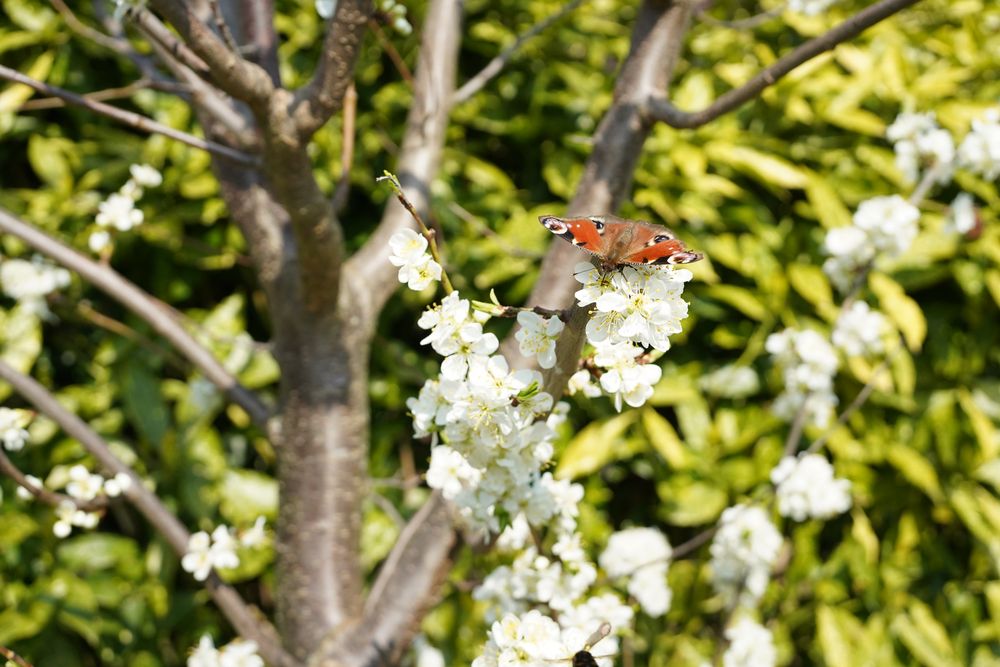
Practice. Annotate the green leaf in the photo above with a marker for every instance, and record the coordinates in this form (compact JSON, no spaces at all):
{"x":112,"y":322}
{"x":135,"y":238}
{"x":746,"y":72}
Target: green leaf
{"x":764,"y":167}
{"x":144,"y":405}
{"x":916,"y":469}
{"x":665,"y":440}
{"x":924,"y":636}
{"x":686,"y":502}
{"x":740,"y":298}
{"x":827,"y":205}
{"x":903,"y":311}
{"x":986,"y":434}
{"x":21,"y":342}
{"x":812,"y":284}
{"x":595,"y":446}
{"x":93,"y":552}
{"x":246,"y":495}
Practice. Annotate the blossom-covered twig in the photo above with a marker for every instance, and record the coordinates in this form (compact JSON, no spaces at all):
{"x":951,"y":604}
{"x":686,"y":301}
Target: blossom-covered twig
{"x":428,"y":233}
{"x":10,"y":655}
{"x":46,"y":496}
{"x":128,"y":117}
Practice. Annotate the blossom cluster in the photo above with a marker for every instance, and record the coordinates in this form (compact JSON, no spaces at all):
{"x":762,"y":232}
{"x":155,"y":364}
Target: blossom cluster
{"x":416,"y":266}
{"x":881,"y":225}
{"x":13,"y":434}
{"x":743,"y":551}
{"x":919,"y":142}
{"x":394,"y":11}
{"x":237,"y":653}
{"x":641,"y":555}
{"x":633,"y":309}
{"x":859,"y":330}
{"x":750,"y":645}
{"x":808,"y":363}
{"x":806,"y":488}
{"x":219,"y":550}
{"x":730,"y":382}
{"x":118,"y":211}
{"x":83,"y":486}
{"x":534,"y":640}
{"x":28,"y":282}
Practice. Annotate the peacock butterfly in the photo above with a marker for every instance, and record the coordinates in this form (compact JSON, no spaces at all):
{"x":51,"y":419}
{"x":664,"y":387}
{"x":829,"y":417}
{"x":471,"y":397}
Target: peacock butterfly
{"x":618,"y":242}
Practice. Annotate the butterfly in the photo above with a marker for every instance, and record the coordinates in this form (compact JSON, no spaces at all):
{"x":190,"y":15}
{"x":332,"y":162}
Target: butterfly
{"x":585,"y":658}
{"x":619,"y":242}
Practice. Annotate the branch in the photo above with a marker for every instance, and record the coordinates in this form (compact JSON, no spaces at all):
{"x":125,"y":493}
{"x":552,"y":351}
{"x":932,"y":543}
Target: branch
{"x":661,"y":109}
{"x":52,"y":498}
{"x":245,"y":620}
{"x":96,"y":96}
{"x":392,"y":52}
{"x":343,"y":188}
{"x":240,"y":78}
{"x":420,"y":156}
{"x":129,"y":118}
{"x":8,"y":654}
{"x":323,"y":96}
{"x":161,"y":317}
{"x":494,"y":67}
{"x":157,"y":33}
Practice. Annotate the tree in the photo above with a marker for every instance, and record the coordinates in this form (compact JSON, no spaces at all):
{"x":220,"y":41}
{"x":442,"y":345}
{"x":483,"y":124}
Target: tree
{"x":320,"y":275}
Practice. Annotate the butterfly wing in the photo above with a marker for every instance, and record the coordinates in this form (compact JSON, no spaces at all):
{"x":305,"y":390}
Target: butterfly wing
{"x":653,"y":244}
{"x":586,"y":233}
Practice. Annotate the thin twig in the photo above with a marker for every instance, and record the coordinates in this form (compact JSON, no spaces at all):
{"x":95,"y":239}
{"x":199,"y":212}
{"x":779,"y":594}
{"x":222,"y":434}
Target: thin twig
{"x":798,"y":425}
{"x":222,"y":26}
{"x":48,"y":497}
{"x":486,"y":230}
{"x":343,"y":189}
{"x":128,"y":118}
{"x":858,"y":401}
{"x":495,"y":66}
{"x":97,"y":96}
{"x":158,"y":33}
{"x":390,"y":50}
{"x":424,"y":229}
{"x":164,"y":319}
{"x":247,"y":622}
{"x":659,"y":108}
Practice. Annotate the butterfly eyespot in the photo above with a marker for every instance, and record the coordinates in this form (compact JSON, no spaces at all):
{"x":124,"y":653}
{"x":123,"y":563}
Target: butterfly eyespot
{"x":660,"y":238}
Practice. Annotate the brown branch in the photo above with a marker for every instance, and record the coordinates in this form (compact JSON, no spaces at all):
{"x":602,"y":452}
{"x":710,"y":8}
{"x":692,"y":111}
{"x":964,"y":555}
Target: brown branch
{"x":52,"y":498}
{"x":742,"y":24}
{"x":222,"y":26}
{"x":240,"y":78}
{"x":495,"y":66}
{"x":129,"y":118}
{"x":247,"y":622}
{"x":323,"y":96}
{"x":157,"y":33}
{"x":661,"y":109}
{"x":343,"y":189}
{"x":161,"y":317}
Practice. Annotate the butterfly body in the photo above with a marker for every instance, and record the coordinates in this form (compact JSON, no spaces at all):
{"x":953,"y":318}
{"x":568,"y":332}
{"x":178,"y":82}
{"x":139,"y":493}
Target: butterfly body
{"x":620,"y":242}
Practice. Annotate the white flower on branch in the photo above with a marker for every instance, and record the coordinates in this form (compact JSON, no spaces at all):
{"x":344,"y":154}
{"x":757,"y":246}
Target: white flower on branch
{"x":642,"y":555}
{"x":83,"y":485}
{"x":979,"y":152}
{"x":117,"y":485}
{"x":750,"y":645}
{"x":13,"y":435}
{"x":67,"y":516}
{"x":537,"y":337}
{"x":730,"y":381}
{"x":145,"y":175}
{"x":624,"y":377}
{"x":119,"y":211}
{"x":29,"y":282}
{"x":25,"y":494}
{"x":806,"y":488}
{"x":582,"y":382}
{"x":237,"y":653}
{"x":808,"y":363}
{"x":642,"y":305}
{"x":205,"y":552}
{"x":255,"y":535}
{"x":919,"y":142}
{"x":743,"y":551}
{"x":326,"y":8}
{"x":416,"y":267}
{"x":859,"y":330}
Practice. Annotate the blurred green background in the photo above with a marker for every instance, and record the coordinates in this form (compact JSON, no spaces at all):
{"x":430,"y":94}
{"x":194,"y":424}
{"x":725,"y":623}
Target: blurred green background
{"x":909,"y":576}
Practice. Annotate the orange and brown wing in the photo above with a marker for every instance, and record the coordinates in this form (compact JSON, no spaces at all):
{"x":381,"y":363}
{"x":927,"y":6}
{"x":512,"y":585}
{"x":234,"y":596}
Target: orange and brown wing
{"x":586,"y":233}
{"x":672,"y":251}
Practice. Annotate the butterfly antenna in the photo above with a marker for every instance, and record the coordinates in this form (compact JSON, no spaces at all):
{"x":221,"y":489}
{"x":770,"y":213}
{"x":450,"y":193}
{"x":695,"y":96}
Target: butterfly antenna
{"x":598,"y":635}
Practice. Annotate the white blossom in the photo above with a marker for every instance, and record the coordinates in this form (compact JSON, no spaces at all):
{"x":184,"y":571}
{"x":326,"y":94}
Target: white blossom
{"x":624,"y":378}
{"x":119,"y":211}
{"x":920,"y":142}
{"x":205,"y":552}
{"x":416,"y":266}
{"x":744,"y":549}
{"x":117,"y":485}
{"x":979,"y":152}
{"x":809,"y":7}
{"x":526,"y":641}
{"x":237,"y":653}
{"x":808,"y":363}
{"x":642,"y":555}
{"x":83,"y":485}
{"x":145,"y":175}
{"x":890,"y":222}
{"x":25,"y":494}
{"x":638,"y":304}
{"x":908,"y":126}
{"x":731,"y":381}
{"x":326,"y":8}
{"x":254,"y":536}
{"x":582,"y":382}
{"x":750,"y":645}
{"x":537,"y":337}
{"x":450,"y":472}
{"x":68,"y":515}
{"x":205,"y":654}
{"x":859,"y":330}
{"x":29,"y":282}
{"x":962,"y":216}
{"x":13,"y":435}
{"x":806,"y":488}
{"x":99,"y":240}
{"x":425,"y":654}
